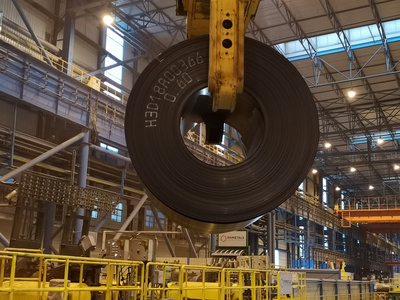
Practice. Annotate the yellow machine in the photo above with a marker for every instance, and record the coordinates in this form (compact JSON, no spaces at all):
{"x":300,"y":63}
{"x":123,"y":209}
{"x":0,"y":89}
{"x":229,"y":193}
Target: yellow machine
{"x":226,"y":23}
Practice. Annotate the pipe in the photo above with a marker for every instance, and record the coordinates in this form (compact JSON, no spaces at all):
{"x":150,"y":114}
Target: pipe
{"x":271,"y":236}
{"x":24,"y":32}
{"x":161,"y":227}
{"x":119,"y":156}
{"x":103,"y":244}
{"x":83,"y":171}
{"x":13,"y":134}
{"x":42,"y":157}
{"x":4,"y":241}
{"x":131,"y":216}
{"x":213,"y":242}
{"x":34,"y":37}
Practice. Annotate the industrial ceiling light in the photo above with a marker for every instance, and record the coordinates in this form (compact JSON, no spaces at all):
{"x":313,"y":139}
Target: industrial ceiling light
{"x":379,"y":141}
{"x":371,"y":187}
{"x":351,"y":93}
{"x":352,"y":169}
{"x":108,"y":19}
{"x":337,"y":188}
{"x":327,"y":145}
{"x":314,"y":171}
{"x":396,"y":167}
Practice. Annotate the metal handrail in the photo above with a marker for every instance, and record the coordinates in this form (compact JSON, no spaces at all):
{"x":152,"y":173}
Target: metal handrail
{"x":25,"y":44}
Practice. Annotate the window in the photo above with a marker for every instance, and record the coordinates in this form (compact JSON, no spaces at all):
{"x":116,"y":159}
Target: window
{"x":277,"y":258}
{"x":324,"y":192}
{"x":301,"y":188}
{"x":94,"y":212}
{"x":114,"y":45}
{"x":301,"y":244}
{"x":117,"y":213}
{"x":150,"y":220}
{"x":108,"y":147}
{"x":330,"y":43}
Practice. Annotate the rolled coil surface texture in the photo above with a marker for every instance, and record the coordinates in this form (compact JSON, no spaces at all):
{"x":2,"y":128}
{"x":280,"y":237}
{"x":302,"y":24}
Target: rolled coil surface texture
{"x":276,"y":117}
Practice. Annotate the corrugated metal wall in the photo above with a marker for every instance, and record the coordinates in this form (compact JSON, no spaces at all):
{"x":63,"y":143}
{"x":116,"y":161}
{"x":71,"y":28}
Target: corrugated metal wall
{"x":40,"y":23}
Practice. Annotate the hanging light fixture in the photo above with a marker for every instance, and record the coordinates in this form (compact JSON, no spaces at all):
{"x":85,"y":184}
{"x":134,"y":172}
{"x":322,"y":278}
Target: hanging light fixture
{"x":351,"y":93}
{"x":108,"y":19}
{"x":379,"y":141}
{"x":352,"y":169}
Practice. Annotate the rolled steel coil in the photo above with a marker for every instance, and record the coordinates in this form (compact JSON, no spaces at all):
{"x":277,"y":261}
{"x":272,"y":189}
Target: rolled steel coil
{"x":275,"y":116}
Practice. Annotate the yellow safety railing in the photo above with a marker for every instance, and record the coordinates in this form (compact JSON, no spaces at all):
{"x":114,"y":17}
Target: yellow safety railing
{"x":161,"y":280}
{"x":239,"y":284}
{"x":200,"y":282}
{"x":130,"y":280}
{"x":287,"y":285}
{"x":179,"y":282}
{"x":25,"y":44}
{"x":119,"y":277}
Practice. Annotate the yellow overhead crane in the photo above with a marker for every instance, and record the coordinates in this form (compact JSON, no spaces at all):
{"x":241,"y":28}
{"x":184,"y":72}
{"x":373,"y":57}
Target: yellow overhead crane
{"x":226,"y":23}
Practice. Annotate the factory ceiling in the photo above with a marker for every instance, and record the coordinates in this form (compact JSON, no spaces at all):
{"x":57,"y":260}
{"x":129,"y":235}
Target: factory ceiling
{"x":361,"y":53}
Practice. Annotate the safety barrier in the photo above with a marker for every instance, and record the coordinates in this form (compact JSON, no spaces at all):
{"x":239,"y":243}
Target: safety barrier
{"x":78,"y":277}
{"x":179,"y":282}
{"x":32,"y":274}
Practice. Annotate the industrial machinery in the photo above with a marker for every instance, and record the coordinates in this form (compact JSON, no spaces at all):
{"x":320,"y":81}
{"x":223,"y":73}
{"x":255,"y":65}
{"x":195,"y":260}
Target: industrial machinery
{"x":219,"y":78}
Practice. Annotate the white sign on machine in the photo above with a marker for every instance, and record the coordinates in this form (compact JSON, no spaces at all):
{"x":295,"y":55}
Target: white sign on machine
{"x":285,"y":283}
{"x":232,"y":239}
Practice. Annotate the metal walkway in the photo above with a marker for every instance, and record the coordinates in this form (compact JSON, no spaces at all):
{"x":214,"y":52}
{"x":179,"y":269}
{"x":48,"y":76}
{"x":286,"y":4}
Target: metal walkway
{"x":24,"y":77}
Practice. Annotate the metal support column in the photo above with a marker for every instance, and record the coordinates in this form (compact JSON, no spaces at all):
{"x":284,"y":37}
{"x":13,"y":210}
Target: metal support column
{"x":161,"y":227}
{"x":50,"y":213}
{"x":253,"y":243}
{"x":13,"y":134}
{"x":307,"y":244}
{"x":271,"y":236}
{"x":84,"y":162}
{"x":69,"y":35}
{"x":213,"y":242}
